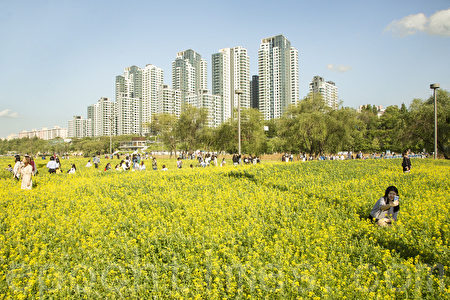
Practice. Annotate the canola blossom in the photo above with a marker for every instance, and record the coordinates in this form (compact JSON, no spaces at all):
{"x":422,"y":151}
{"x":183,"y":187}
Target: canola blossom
{"x":292,"y":230}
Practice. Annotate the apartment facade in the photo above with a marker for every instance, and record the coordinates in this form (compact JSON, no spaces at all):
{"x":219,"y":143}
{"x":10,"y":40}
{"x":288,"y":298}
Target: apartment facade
{"x":169,"y":101}
{"x":103,"y":117}
{"x":278,"y":76}
{"x":327,"y":89}
{"x":44,"y":133}
{"x":231,"y":72}
{"x":212,"y":104}
{"x":152,"y":83}
{"x":79,"y":127}
{"x":254,"y":92}
{"x":189,"y":73}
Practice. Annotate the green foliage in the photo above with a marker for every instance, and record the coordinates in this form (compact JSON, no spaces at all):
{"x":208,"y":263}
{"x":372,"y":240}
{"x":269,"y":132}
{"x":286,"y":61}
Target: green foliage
{"x":252,"y":131}
{"x":190,"y":127}
{"x":421,"y":123}
{"x":310,"y":126}
{"x":164,"y":126}
{"x":226,"y":137}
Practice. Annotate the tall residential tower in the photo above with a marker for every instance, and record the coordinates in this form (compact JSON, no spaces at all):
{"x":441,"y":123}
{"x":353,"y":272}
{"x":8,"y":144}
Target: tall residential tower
{"x":152,"y":84}
{"x":327,"y":89}
{"x":189,"y":73}
{"x":278,"y":76}
{"x":231,"y":72}
{"x":102,"y":116}
{"x":254,"y":91}
{"x":137,"y":98}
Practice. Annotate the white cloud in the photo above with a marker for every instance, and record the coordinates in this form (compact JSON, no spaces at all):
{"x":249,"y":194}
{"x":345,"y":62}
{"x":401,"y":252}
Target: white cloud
{"x":338,"y":68}
{"x":437,"y":24}
{"x":7,"y":113}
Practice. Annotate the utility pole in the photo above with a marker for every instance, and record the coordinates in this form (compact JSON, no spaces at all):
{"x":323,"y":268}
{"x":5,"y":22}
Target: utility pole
{"x":434,"y":87}
{"x":239,"y":93}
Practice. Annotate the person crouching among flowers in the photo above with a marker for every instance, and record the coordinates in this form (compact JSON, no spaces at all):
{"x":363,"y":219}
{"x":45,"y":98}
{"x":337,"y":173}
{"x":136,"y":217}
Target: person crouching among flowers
{"x":386,"y":209}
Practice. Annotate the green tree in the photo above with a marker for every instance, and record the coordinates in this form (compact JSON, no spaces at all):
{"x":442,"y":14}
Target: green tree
{"x":391,"y":129}
{"x":190,"y":126}
{"x":252,"y":131}
{"x":368,"y":127}
{"x":164,"y":125}
{"x":225,"y":137}
{"x":304,"y":126}
{"x":344,"y":130}
{"x":420,"y":129}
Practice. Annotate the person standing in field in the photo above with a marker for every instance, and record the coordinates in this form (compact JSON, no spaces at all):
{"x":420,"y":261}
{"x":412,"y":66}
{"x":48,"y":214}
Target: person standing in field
{"x":26,"y":171}
{"x":16,"y":168}
{"x":58,"y":165}
{"x":88,"y":165}
{"x":406,"y":164}
{"x":386,"y":209}
{"x":154,"y":164}
{"x":33,"y":164}
{"x":96,"y":161}
{"x":179,"y":163}
{"x":52,"y":165}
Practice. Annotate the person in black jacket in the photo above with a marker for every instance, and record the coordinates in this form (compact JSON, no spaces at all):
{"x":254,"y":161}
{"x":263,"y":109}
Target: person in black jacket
{"x":406,"y":164}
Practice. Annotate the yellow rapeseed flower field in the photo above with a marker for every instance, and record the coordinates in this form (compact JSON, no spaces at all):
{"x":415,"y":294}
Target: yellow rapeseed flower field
{"x":292,"y":230}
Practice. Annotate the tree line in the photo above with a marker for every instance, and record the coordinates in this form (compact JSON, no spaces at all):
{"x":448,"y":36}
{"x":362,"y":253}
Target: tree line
{"x":309,"y":127}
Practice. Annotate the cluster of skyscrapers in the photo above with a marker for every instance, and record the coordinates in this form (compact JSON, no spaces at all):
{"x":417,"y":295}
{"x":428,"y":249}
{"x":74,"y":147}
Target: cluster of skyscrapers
{"x":141,"y":92}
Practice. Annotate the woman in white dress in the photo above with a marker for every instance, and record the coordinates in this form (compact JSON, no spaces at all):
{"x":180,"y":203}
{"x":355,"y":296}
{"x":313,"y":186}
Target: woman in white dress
{"x":26,"y":172}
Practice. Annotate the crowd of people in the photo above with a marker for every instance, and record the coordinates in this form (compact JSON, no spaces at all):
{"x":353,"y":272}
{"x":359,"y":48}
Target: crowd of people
{"x":384,"y":212}
{"x":288,"y":157}
{"x":24,"y":169}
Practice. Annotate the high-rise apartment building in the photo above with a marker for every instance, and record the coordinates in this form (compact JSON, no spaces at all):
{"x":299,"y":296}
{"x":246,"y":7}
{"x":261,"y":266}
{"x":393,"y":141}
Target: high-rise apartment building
{"x":137,"y":98}
{"x":189,"y":73}
{"x":278,"y":76}
{"x":103,"y":117}
{"x":128,"y":115}
{"x":128,"y":105}
{"x":212,"y":103}
{"x":130,"y":83}
{"x":79,"y":127}
{"x":254,"y":92}
{"x":327,"y":89}
{"x":152,"y":82}
{"x":169,"y":101}
{"x":231,"y":72}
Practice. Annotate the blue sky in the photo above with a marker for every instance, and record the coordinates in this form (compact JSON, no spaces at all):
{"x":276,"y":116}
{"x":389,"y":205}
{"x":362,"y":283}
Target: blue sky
{"x":58,"y":57}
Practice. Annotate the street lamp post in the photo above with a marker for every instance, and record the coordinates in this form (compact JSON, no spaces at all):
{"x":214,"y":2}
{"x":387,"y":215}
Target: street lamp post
{"x":110,"y":134}
{"x":239,"y":93}
{"x":434,"y":87}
